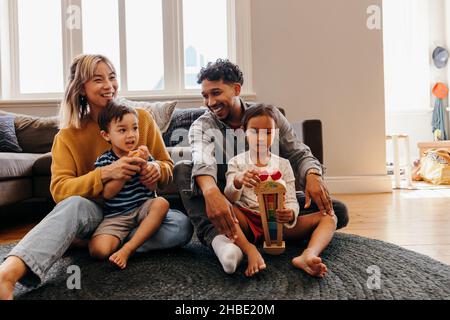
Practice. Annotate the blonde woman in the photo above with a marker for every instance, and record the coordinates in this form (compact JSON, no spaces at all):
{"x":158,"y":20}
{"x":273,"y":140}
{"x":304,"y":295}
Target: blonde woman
{"x":75,"y":182}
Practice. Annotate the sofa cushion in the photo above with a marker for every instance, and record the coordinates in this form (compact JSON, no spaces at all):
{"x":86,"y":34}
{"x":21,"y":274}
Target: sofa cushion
{"x":12,"y":191}
{"x":16,"y":165}
{"x":8,"y":138}
{"x":161,"y":111}
{"x":182,"y":119}
{"x":180,"y":153}
{"x":35,"y":134}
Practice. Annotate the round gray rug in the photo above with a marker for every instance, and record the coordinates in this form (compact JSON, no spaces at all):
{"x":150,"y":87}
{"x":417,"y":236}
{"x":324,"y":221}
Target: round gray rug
{"x":359,"y":268}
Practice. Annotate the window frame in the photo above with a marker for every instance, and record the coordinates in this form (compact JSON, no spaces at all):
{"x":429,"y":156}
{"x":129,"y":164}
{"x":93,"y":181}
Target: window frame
{"x":239,"y":51}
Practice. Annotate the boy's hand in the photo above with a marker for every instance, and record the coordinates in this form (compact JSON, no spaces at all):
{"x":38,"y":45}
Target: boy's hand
{"x":285,"y":215}
{"x":150,"y":174}
{"x":141,"y":152}
{"x":249,"y":179}
{"x":145,"y":154}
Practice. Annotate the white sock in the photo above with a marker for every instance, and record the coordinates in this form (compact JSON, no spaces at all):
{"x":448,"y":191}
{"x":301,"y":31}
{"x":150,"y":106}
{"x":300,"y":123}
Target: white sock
{"x":229,"y":254}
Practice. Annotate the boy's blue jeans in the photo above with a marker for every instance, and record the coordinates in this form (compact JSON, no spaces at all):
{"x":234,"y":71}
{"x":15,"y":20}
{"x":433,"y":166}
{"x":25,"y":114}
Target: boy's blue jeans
{"x":77,"y":217}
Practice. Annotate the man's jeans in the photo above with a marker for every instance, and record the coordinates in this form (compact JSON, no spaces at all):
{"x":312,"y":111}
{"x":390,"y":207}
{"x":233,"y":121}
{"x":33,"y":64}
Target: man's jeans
{"x":77,"y":217}
{"x":195,"y":205}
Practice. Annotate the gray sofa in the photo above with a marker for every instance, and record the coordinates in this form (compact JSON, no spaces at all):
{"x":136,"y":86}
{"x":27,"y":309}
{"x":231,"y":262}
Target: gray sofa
{"x":26,"y":175}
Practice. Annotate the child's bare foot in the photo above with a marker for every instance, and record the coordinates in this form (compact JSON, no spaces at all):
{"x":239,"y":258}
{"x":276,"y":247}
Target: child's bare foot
{"x":311,"y":264}
{"x":255,"y":262}
{"x":120,"y":257}
{"x":6,"y":289}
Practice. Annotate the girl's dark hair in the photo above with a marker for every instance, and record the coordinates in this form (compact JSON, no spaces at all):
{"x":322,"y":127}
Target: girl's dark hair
{"x":223,"y":70}
{"x":113,"y":111}
{"x":258,"y":110}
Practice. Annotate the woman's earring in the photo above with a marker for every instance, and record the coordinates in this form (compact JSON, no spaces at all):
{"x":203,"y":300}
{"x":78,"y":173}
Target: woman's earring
{"x":83,"y":100}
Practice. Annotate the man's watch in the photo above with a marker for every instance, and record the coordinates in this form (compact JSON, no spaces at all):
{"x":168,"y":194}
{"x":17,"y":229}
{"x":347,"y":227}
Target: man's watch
{"x":314,"y":172}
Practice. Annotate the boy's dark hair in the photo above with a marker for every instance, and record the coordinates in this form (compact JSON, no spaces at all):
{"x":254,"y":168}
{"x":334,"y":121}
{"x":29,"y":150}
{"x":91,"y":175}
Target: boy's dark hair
{"x":223,"y":70}
{"x":258,"y":110}
{"x":113,"y":111}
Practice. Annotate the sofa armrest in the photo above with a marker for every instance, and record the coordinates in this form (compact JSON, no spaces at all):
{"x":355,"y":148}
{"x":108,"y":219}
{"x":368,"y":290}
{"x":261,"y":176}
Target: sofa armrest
{"x":312,"y":137}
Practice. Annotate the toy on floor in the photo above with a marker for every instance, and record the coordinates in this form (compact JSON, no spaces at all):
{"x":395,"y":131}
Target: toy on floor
{"x":270,"y":193}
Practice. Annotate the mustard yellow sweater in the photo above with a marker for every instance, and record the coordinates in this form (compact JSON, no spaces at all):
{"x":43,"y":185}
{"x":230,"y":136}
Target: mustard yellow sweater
{"x":74,"y":153}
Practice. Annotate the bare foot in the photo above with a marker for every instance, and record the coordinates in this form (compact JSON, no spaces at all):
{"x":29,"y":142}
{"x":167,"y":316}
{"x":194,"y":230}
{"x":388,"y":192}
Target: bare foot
{"x":255,"y":262}
{"x":120,"y":257}
{"x":6,"y":289}
{"x":311,"y":264}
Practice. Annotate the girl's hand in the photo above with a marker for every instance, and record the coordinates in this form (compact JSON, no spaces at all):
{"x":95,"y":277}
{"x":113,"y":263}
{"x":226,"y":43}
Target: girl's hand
{"x":249,"y":179}
{"x":150,"y":174}
{"x":285,"y":215}
{"x":123,"y":169}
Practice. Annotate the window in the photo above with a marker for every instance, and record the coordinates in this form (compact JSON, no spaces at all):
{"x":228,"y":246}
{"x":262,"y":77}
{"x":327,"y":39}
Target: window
{"x":100,"y":28}
{"x":40,"y":58}
{"x":406,"y":39}
{"x":145,"y":55}
{"x":157,"y":46}
{"x":203,"y":44}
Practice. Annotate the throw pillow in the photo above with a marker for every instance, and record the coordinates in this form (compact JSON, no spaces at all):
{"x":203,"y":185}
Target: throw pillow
{"x":161,"y":111}
{"x":182,"y":119}
{"x":36,"y":134}
{"x":8,"y":138}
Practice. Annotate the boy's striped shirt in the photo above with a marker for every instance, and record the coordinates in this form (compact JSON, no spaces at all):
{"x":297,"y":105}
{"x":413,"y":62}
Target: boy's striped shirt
{"x":132,"y":195}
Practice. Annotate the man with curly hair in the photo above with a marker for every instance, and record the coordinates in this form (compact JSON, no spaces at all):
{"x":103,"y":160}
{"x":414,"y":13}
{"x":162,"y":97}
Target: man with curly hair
{"x":214,"y":139}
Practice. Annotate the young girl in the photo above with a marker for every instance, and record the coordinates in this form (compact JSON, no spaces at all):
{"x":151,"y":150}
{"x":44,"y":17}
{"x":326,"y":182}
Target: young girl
{"x":244,"y":172}
{"x":128,"y":203}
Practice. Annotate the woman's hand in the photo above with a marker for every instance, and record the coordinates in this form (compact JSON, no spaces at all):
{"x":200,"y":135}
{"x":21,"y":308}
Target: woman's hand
{"x":285,"y":215}
{"x":249,"y":179}
{"x":123,"y":169}
{"x":150,"y":174}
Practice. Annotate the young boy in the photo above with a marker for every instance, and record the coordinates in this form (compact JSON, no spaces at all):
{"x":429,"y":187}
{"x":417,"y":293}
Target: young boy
{"x":127,"y":203}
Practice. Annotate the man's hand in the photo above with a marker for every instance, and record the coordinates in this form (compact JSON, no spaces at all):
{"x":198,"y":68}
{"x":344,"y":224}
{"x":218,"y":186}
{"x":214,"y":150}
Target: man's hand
{"x":317,"y":190}
{"x":220,"y":212}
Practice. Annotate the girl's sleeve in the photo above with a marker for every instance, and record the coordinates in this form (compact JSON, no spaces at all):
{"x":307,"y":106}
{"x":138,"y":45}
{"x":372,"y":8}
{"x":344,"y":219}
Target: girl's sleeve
{"x":230,"y":191}
{"x":291,"y":198}
{"x":64,"y":180}
{"x":155,"y":144}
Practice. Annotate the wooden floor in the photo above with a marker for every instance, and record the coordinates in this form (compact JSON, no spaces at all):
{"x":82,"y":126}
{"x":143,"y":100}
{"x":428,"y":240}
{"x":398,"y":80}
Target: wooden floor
{"x":416,"y":220}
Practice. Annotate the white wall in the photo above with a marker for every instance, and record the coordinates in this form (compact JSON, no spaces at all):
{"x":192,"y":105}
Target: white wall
{"x":318,"y":59}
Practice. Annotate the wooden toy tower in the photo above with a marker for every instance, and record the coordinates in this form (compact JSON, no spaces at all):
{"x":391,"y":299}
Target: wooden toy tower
{"x":271,"y":197}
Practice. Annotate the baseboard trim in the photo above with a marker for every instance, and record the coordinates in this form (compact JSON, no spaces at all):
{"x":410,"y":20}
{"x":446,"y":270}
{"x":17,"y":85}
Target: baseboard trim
{"x":359,"y":184}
